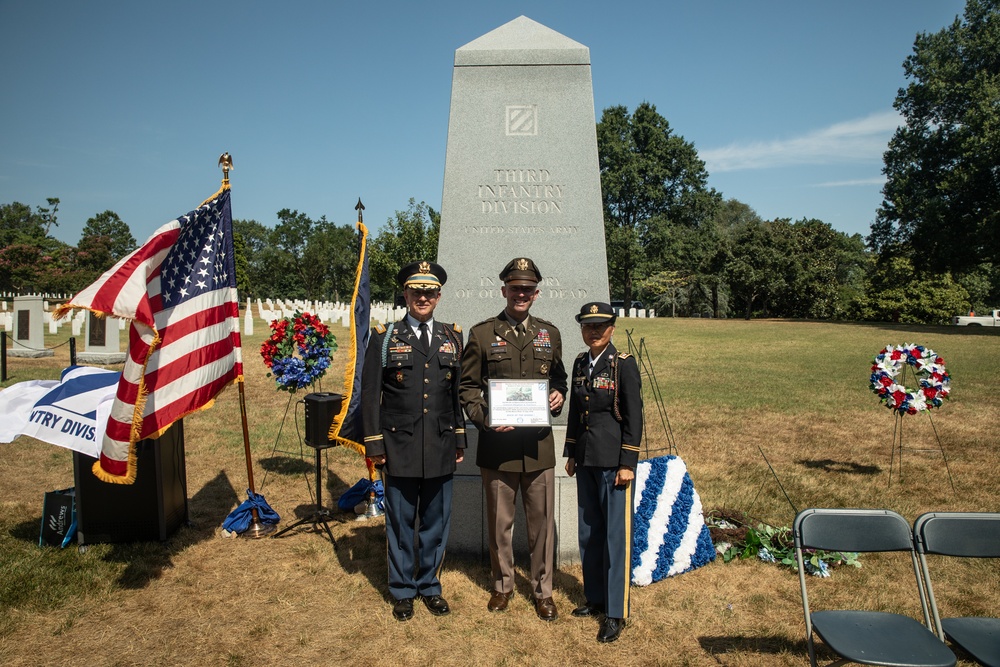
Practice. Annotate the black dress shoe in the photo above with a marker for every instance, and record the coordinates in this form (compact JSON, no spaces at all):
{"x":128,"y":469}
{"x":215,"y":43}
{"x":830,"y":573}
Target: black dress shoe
{"x":403,"y":609}
{"x":588,"y":609}
{"x":611,"y":629}
{"x":436,"y":605}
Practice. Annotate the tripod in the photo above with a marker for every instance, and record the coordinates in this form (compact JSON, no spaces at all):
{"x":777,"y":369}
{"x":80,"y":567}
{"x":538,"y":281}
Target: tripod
{"x":321,"y":515}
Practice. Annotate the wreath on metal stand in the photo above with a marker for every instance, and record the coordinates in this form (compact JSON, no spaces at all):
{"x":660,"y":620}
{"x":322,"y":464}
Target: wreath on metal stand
{"x":932,"y":388}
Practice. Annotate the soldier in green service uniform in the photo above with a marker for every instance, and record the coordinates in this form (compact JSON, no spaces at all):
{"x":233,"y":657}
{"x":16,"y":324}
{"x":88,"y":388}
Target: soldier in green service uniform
{"x":514,"y":345}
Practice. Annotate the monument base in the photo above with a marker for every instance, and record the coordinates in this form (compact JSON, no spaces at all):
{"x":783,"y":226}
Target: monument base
{"x":469,"y":532}
{"x":30,"y":354}
{"x":101,"y":358}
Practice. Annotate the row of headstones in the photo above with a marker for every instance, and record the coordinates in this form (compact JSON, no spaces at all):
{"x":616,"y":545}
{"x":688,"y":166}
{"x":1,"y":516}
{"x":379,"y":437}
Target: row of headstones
{"x":327,"y":312}
{"x":637,"y":312}
{"x":30,"y":314}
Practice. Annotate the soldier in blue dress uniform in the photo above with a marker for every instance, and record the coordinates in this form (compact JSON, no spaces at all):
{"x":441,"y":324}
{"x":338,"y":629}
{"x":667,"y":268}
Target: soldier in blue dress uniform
{"x":415,"y":428}
{"x":602,"y":450}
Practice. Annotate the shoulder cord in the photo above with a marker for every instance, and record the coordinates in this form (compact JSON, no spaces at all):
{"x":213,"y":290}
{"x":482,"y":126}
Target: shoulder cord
{"x":454,"y":338}
{"x":385,"y":346}
{"x":617,"y":380}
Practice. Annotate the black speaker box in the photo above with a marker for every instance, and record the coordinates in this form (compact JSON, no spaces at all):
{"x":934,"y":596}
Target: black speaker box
{"x":152,"y":508}
{"x":321,"y":408}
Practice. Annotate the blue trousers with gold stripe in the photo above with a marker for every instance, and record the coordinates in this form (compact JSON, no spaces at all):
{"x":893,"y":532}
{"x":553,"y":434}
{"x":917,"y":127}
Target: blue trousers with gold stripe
{"x":605,"y":525}
{"x":414,"y":569}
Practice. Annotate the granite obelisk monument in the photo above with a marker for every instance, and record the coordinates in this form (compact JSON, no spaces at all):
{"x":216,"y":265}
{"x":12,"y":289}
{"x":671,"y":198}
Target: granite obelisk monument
{"x":521,"y":180}
{"x":521,"y":176}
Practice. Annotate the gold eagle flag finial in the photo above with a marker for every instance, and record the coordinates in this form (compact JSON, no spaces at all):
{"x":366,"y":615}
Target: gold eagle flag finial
{"x":226,"y":162}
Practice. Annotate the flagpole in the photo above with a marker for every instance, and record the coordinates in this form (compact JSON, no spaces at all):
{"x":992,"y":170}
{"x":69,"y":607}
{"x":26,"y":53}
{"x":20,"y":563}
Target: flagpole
{"x":257,"y":528}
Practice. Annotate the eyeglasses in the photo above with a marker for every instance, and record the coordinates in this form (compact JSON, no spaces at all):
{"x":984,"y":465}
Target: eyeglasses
{"x":429,"y":294}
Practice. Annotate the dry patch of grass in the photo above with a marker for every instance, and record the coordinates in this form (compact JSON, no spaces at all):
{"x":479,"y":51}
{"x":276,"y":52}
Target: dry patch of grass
{"x":794,"y":390}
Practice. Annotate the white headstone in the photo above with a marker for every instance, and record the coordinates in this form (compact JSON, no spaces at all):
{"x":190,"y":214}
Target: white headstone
{"x":29,"y":339}
{"x":102,"y":341}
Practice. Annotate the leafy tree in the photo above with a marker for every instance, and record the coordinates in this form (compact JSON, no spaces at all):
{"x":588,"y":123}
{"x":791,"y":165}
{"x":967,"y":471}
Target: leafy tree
{"x":897,"y":292}
{"x":18,"y":224}
{"x":93,"y":256}
{"x":665,"y":290}
{"x":825,"y":270}
{"x":48,"y":215}
{"x":941,"y":205}
{"x":983,"y":285}
{"x":112,"y":231}
{"x":242,"y":265}
{"x":651,"y":179}
{"x":30,"y":260}
{"x":315,"y":259}
{"x":408,"y":236}
{"x":757,"y":268}
{"x":254,"y":254}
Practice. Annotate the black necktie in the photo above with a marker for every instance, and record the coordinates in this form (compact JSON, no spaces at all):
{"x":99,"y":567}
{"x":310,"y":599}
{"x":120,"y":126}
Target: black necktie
{"x":425,"y":339}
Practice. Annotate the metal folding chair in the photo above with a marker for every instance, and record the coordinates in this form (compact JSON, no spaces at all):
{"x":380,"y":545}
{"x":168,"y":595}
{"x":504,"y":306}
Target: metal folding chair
{"x":965,"y":535}
{"x":865,"y":637}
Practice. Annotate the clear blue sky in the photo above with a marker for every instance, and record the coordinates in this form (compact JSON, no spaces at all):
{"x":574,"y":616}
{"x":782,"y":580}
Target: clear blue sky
{"x":127,"y":105}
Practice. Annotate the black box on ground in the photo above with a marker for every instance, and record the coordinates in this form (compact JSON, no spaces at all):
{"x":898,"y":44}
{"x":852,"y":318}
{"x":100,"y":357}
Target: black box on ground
{"x":150,"y":509}
{"x":58,"y":516}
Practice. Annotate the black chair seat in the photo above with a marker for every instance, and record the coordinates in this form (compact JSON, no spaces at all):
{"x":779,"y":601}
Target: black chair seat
{"x":979,"y":636}
{"x":879,"y":638}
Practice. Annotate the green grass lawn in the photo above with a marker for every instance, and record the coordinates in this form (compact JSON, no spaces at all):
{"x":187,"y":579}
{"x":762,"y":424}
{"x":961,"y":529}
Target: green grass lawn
{"x":734,"y":391}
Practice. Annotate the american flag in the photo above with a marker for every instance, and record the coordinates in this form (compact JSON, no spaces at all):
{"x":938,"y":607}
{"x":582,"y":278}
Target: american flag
{"x":179,"y":290}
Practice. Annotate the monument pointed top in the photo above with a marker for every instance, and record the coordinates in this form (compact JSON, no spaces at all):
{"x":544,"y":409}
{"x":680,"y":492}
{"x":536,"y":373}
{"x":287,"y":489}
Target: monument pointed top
{"x":522,"y":42}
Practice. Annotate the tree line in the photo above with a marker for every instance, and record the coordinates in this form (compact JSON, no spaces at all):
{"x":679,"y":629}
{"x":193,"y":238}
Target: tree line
{"x":674,"y":243}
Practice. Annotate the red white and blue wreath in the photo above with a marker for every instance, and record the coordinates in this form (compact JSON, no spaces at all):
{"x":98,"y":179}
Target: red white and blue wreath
{"x":934,"y":383}
{"x":298,"y":351}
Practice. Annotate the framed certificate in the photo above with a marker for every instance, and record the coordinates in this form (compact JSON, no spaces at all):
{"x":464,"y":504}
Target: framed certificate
{"x":519,"y":403}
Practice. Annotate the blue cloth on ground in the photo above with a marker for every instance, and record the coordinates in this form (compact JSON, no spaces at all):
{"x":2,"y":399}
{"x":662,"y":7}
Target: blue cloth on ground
{"x":239,"y":519}
{"x":360,"y":492}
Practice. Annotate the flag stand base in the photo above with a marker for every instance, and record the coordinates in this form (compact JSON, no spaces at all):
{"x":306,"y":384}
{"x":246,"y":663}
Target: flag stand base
{"x":258,"y":530}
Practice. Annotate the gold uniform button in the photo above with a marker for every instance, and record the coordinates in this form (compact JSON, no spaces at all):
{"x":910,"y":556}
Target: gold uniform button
{"x":586,"y":398}
{"x":425,"y":396}
{"x":425,"y":411}
{"x":427,"y":380}
{"x":427,"y":365}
